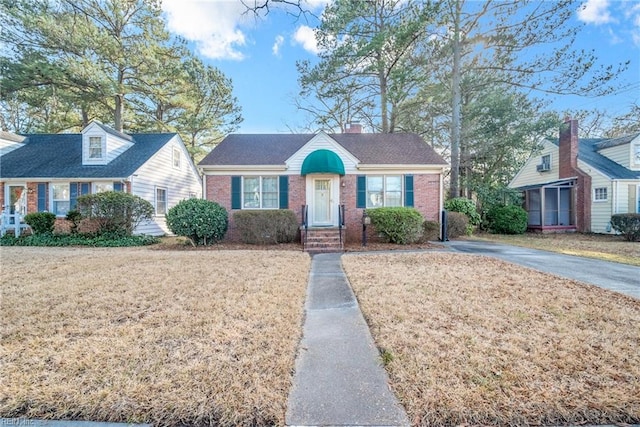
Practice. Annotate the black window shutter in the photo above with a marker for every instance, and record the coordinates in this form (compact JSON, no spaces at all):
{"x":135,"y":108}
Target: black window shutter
{"x":73,"y":195}
{"x":85,"y":188}
{"x":408,"y":191}
{"x":42,"y":197}
{"x":284,"y":191}
{"x":236,"y":188}
{"x":361,"y":191}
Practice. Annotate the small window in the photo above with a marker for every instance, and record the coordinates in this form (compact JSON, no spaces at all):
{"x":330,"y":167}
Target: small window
{"x":546,"y":161}
{"x":95,"y":147}
{"x":161,"y":201}
{"x":636,"y":155}
{"x":177,"y":160}
{"x":100,"y":187}
{"x":61,"y":199}
{"x":600,"y":194}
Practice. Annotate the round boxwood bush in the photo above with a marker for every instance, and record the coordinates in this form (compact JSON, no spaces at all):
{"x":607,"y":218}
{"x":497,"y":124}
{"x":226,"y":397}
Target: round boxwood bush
{"x":202,"y":221}
{"x":41,"y":222}
{"x":465,"y":206}
{"x":507,"y":219}
{"x":398,"y":224}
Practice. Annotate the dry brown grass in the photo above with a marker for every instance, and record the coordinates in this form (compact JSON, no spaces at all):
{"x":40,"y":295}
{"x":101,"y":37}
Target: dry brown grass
{"x":171,"y":338}
{"x":476,"y":340}
{"x":599,"y":246}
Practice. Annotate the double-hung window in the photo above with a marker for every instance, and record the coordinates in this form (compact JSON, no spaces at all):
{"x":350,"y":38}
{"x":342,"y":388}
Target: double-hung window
{"x":383,"y":190}
{"x":61,"y":201}
{"x":161,"y":201}
{"x":260,"y":192}
{"x":95,"y":148}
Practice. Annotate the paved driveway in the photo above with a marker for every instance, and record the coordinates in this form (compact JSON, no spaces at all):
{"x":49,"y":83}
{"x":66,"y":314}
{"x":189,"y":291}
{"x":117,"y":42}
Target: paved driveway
{"x":610,"y":275}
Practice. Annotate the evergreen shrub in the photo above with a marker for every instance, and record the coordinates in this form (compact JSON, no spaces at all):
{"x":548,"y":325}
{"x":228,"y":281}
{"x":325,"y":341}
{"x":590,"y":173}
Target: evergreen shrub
{"x":266,"y":227}
{"x":202,"y":221}
{"x":399,"y":225}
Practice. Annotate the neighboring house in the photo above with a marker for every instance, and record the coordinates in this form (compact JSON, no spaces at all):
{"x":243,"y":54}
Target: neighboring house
{"x":333,"y":177}
{"x":9,"y":142}
{"x":578,"y":184}
{"x":47,"y":172}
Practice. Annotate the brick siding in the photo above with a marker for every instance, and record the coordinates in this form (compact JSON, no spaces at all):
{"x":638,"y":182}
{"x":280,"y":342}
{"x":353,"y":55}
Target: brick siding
{"x":426,"y":200}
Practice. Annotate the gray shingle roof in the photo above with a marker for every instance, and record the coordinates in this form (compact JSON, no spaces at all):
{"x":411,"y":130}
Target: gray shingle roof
{"x":588,"y":153}
{"x":60,"y":156}
{"x":369,"y":148}
{"x":613,"y":142}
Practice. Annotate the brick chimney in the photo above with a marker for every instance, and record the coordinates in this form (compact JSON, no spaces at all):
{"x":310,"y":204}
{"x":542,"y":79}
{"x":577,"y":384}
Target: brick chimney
{"x":568,"y":159}
{"x":568,"y":148}
{"x":353,"y":127}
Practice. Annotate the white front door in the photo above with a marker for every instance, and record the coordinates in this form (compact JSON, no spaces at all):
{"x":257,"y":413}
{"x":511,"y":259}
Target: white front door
{"x":322,"y":201}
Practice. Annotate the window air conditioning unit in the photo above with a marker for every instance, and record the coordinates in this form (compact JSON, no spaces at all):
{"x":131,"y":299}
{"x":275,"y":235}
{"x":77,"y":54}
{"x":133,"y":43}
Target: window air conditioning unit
{"x":544,"y":167}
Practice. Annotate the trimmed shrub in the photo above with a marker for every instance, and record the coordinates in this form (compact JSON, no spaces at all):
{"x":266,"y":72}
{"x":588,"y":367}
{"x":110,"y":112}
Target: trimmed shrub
{"x":465,"y":206}
{"x":105,"y":240}
{"x":202,"y":221}
{"x":507,"y":220}
{"x":41,"y":222}
{"x":457,"y":224}
{"x":627,"y":224}
{"x":268,"y":227}
{"x":398,"y":224}
{"x":74,"y":217}
{"x":115,"y":212}
{"x":430,"y":230}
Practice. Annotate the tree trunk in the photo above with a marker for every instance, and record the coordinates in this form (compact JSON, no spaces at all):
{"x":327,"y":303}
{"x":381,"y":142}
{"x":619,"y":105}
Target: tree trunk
{"x":454,"y":185}
{"x":118,"y":112}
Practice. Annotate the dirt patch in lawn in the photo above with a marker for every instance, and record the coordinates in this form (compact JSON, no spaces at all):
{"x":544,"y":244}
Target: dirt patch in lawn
{"x":599,"y":246}
{"x":474,"y":340}
{"x":136,"y":335}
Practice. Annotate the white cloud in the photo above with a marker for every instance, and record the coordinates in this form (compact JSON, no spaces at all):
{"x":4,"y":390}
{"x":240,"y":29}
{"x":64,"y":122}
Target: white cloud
{"x":213,"y":25}
{"x":595,"y":12}
{"x":305,"y":36}
{"x":276,"y":46}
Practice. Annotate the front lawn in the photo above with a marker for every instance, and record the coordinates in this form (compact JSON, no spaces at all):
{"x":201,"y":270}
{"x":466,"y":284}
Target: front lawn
{"x":139,"y":335}
{"x":473,"y":340}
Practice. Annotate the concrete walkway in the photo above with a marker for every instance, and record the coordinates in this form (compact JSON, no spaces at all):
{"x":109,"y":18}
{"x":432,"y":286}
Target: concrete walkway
{"x":617,"y":277}
{"x":339,"y":378}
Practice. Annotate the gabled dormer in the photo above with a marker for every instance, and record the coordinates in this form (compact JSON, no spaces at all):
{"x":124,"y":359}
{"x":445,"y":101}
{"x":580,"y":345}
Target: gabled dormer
{"x":624,"y":150}
{"x":101,"y":144}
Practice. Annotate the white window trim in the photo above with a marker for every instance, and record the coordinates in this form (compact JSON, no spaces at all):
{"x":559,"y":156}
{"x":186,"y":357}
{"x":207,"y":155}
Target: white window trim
{"x":94,"y":186}
{"x":175,"y":157}
{"x":635,"y":153}
{"x":595,"y":192}
{"x":260,"y":178}
{"x":384,"y":190}
{"x":102,"y":148}
{"x":52,"y":200}
{"x":166,"y":200}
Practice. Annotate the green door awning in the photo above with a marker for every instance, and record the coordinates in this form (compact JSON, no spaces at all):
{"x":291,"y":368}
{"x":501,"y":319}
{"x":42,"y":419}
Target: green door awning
{"x":322,"y":161}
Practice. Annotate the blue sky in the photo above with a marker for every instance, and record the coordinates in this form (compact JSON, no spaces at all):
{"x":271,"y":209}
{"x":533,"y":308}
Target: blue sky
{"x":259,"y":53}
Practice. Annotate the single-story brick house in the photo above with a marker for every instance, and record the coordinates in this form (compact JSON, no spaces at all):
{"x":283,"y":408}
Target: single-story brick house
{"x":47,"y":172}
{"x":333,"y":177}
{"x":577,"y":184}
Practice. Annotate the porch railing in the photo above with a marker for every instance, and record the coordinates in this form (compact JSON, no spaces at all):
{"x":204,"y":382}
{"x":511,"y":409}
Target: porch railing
{"x":305,"y":225}
{"x":12,"y":221}
{"x":340,"y":221}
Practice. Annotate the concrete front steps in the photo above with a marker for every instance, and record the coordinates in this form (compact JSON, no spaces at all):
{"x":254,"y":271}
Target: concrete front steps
{"x":322,"y":239}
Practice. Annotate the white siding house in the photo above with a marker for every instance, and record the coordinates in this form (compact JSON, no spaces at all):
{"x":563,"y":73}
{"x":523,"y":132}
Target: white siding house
{"x":47,"y":172}
{"x":592,"y":178}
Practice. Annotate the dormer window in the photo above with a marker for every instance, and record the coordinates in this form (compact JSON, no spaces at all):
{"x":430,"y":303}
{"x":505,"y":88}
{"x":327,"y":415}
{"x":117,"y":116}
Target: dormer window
{"x":95,"y":148}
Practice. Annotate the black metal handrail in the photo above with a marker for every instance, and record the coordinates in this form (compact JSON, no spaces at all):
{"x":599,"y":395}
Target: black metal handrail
{"x":305,"y":224}
{"x":340,"y":221}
